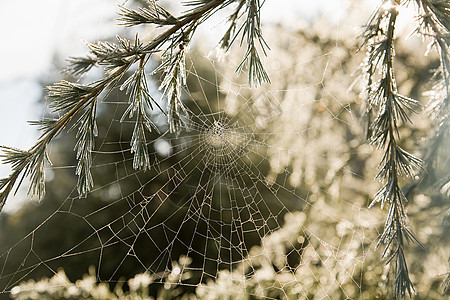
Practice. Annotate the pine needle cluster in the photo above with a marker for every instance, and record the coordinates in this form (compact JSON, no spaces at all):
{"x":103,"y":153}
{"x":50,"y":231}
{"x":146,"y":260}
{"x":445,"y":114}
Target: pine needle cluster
{"x":387,"y":110}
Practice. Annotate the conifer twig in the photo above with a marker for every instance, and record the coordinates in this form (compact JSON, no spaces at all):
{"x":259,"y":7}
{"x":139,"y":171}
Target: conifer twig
{"x":391,"y":109}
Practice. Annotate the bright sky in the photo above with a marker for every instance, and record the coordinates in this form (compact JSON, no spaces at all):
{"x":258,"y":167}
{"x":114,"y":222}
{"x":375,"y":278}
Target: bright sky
{"x":34,"y":31}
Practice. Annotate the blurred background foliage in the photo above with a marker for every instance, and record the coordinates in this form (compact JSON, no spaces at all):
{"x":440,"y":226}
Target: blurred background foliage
{"x":314,"y":100}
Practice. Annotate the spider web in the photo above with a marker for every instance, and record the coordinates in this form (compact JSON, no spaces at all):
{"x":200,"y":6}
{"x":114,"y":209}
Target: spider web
{"x":246,"y":197}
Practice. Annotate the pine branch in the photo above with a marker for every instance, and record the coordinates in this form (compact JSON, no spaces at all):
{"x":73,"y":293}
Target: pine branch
{"x":229,"y":35}
{"x":391,"y":109}
{"x":252,"y":33}
{"x":87,"y":130}
{"x":74,"y":100}
{"x":153,"y":14}
{"x":20,"y":162}
{"x":69,"y":99}
{"x":174,"y":77}
{"x":140,"y":100}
